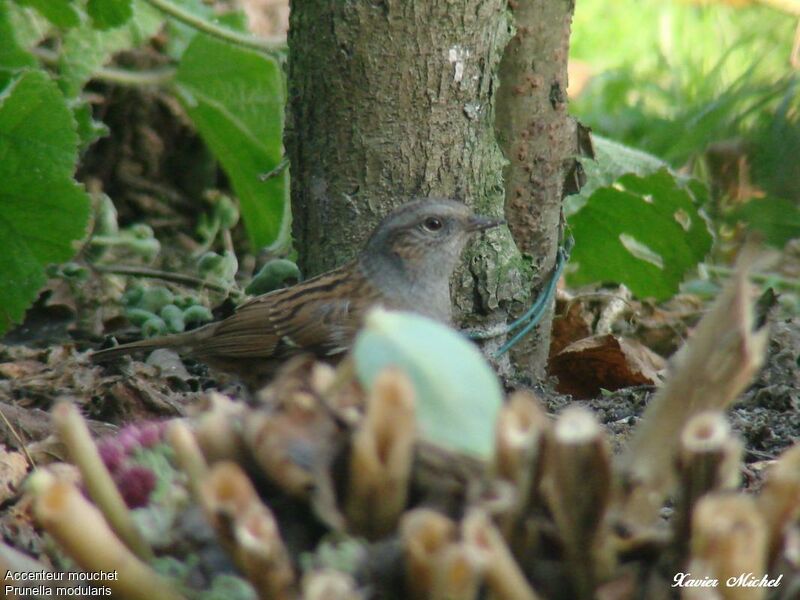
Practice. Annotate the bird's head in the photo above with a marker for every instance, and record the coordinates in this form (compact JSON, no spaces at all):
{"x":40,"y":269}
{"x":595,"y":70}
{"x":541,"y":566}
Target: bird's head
{"x":424,"y":239}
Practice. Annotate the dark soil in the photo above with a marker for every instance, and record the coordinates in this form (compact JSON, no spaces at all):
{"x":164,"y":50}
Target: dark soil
{"x":767,"y":416}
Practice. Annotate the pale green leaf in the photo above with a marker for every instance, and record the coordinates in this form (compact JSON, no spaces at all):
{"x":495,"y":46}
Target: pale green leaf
{"x":458,"y":395}
{"x":611,"y":161}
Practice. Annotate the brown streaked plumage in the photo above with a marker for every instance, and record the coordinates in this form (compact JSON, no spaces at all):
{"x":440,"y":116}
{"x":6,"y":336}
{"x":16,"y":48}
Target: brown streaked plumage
{"x":406,"y":265}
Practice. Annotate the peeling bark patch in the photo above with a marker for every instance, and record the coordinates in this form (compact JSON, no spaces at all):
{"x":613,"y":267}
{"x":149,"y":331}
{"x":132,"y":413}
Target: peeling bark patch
{"x":457,"y":57}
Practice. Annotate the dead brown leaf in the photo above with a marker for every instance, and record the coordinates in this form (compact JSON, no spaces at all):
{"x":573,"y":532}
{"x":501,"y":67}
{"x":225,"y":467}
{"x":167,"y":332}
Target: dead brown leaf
{"x":604,"y":362}
{"x":571,"y":324}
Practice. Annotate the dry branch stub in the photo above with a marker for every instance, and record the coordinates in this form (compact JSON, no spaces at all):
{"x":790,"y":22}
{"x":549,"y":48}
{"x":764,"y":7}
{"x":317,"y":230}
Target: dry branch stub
{"x":577,"y":486}
{"x":708,"y":373}
{"x":709,"y":459}
{"x":381,"y":456}
{"x":83,"y":533}
{"x":329,"y":584}
{"x":503,"y":573}
{"x":779,"y":501}
{"x":216,"y":429}
{"x":188,"y":454}
{"x":729,"y":541}
{"x":459,"y":574}
{"x":248,"y":530}
{"x":521,"y":427}
{"x":424,"y":534}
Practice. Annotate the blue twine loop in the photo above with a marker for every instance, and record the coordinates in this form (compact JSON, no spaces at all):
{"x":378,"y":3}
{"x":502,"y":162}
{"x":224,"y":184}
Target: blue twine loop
{"x":535,"y":313}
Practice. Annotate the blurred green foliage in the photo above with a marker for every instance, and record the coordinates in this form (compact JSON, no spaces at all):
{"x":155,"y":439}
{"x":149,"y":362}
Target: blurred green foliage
{"x":680,"y":77}
{"x":710,"y":90}
{"x":49,"y":51}
{"x":158,"y":311}
{"x":706,"y":90}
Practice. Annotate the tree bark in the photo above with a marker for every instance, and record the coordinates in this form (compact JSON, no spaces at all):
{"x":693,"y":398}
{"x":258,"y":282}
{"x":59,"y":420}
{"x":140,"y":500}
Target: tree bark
{"x":540,"y":141}
{"x":391,"y":100}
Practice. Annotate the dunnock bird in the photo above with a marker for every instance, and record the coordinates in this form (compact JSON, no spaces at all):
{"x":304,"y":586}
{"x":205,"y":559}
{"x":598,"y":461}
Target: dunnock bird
{"x":405,"y":265}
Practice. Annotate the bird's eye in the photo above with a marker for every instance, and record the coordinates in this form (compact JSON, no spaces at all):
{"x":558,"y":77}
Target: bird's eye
{"x":432,"y":224}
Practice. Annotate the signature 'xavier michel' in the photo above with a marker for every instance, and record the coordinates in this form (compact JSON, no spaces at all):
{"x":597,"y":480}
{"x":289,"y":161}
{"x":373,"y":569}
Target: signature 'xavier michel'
{"x":406,"y":265}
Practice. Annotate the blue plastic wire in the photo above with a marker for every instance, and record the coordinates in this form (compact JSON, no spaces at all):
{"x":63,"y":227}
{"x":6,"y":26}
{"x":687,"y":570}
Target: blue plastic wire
{"x":535,"y":313}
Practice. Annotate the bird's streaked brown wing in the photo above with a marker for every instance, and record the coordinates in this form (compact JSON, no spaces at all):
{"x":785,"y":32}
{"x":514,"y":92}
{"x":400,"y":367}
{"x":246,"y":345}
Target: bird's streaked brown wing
{"x":314,"y":316}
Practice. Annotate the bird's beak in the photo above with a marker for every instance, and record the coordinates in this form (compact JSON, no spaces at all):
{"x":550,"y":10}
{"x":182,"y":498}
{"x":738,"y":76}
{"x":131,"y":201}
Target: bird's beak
{"x":479,"y":223}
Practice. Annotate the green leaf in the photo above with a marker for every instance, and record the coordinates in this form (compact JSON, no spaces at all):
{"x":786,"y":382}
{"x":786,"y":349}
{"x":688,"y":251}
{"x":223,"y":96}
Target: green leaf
{"x":61,"y":13}
{"x":645,"y":232}
{"x":179,"y":35}
{"x":197,"y":314}
{"x":86,"y":49}
{"x":107,"y":14}
{"x":173,"y":317}
{"x":12,"y":55}
{"x":235,"y":97}
{"x":611,"y":161}
{"x":29,"y":27}
{"x":89,"y":130}
{"x":777,"y":219}
{"x":43,"y":211}
{"x":457,"y":393}
{"x":220,"y":268}
{"x":275,"y":273}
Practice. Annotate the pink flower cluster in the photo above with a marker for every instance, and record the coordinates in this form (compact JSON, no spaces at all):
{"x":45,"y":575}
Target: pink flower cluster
{"x":135,"y":482}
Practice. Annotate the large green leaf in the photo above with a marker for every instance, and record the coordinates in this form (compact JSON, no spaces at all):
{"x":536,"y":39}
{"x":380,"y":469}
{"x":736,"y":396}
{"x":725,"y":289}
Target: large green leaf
{"x":43,"y":211}
{"x":645,"y":232}
{"x":611,"y":161}
{"x":235,"y":97}
{"x":179,"y":34}
{"x":458,"y":395}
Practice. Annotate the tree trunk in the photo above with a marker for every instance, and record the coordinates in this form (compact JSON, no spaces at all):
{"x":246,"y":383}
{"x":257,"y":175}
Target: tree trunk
{"x":391,"y":100}
{"x":540,"y":141}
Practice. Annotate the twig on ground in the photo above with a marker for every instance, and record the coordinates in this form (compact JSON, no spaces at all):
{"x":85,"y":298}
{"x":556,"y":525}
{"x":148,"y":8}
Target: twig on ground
{"x":181,"y":278}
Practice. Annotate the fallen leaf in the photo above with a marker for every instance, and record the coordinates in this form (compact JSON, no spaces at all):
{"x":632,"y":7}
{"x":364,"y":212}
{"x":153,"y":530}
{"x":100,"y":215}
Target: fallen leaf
{"x":604,"y":362}
{"x":571,"y":324}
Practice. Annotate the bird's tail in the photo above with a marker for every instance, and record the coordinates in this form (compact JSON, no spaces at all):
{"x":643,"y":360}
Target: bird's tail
{"x":186,"y":339}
